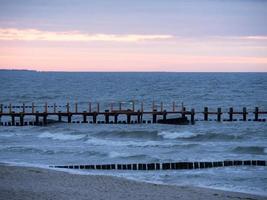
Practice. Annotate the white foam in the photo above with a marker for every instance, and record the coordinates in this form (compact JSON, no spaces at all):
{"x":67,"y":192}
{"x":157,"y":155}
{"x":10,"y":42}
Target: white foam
{"x":175,"y":135}
{"x":60,"y":136}
{"x":106,"y":142}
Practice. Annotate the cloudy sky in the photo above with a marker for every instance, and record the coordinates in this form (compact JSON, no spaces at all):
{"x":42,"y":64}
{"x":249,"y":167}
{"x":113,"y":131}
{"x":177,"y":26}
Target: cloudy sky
{"x":133,"y":35}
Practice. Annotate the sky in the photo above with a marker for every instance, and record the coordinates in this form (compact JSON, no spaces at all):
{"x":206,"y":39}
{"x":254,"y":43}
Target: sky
{"x":134,"y":35}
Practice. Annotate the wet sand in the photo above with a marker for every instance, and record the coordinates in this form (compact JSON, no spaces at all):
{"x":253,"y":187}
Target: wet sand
{"x":35,"y":183}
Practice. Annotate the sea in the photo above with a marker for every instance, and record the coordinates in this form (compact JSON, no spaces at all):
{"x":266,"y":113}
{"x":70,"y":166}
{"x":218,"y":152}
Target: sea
{"x":67,"y":144}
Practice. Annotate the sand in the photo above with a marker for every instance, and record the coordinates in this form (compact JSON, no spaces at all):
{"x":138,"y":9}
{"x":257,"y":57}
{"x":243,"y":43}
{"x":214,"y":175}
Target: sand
{"x":35,"y":183}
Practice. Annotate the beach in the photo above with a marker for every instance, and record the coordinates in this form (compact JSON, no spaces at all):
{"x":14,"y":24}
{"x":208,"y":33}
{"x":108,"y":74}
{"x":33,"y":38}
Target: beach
{"x":35,"y":183}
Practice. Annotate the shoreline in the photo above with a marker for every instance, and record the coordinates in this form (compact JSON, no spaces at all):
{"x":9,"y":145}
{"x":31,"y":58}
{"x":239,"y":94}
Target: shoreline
{"x":20,"y":182}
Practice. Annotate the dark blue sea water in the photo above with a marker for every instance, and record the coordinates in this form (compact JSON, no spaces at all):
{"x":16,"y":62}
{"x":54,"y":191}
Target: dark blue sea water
{"x":92,"y":144}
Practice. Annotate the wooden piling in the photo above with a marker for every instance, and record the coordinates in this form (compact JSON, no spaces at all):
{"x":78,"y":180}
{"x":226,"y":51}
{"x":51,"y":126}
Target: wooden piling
{"x":206,"y":113}
{"x":10,"y":108}
{"x":164,"y":115}
{"x":45,"y":119}
{"x":106,"y":116}
{"x":128,"y":118}
{"x":69,"y":118}
{"x":68,"y":107}
{"x":161,"y":106}
{"x":219,"y":113}
{"x":33,"y":108}
{"x":154,"y":116}
{"x":142,"y":107}
{"x":183,"y":111}
{"x":55,"y":108}
{"x":45,"y":110}
{"x":13,"y":120}
{"x":256,"y":118}
{"x":133,"y":106}
{"x":192,"y":115}
{"x":1,"y":108}
{"x":115,"y":118}
{"x":173,"y":106}
{"x":76,"y":108}
{"x":37,"y":118}
{"x":94,"y":117}
{"x":98,"y":107}
{"x":84,"y":117}
{"x":245,"y":114}
{"x":90,"y":107}
{"x":231,"y":110}
{"x":21,"y":119}
{"x":23,"y":107}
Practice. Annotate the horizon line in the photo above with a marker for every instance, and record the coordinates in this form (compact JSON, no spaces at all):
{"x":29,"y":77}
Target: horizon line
{"x":59,"y":71}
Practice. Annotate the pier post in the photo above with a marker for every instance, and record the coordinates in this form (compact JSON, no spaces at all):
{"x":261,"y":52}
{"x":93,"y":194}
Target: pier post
{"x":183,"y":111}
{"x":142,"y":107}
{"x":84,"y":117}
{"x":133,"y":106}
{"x":21,"y":119}
{"x":164,"y":115}
{"x":256,"y":114}
{"x":45,"y":119}
{"x":45,"y":110}
{"x":37,"y":118}
{"x":173,"y":106}
{"x":206,"y":113}
{"x":76,"y":107}
{"x":23,"y":107}
{"x":68,"y":107}
{"x":153,"y":105}
{"x":139,"y":117}
{"x":1,"y":108}
{"x":116,"y":118}
{"x":90,"y":107}
{"x":69,"y":117}
{"x":98,"y":107}
{"x":219,"y":113}
{"x":244,"y":114}
{"x":128,"y":118}
{"x":10,"y":108}
{"x":55,"y":108}
{"x":161,"y":107}
{"x":231,"y":110}
{"x":154,"y":116}
{"x":33,"y":110}
{"x":59,"y":116}
{"x":13,"y":119}
{"x":192,"y":116}
{"x":94,"y":117}
{"x":107,"y":116}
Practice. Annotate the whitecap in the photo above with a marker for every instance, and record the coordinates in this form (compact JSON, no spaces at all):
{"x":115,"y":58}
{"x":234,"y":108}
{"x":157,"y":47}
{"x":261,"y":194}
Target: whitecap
{"x":175,"y":135}
{"x":60,"y":136}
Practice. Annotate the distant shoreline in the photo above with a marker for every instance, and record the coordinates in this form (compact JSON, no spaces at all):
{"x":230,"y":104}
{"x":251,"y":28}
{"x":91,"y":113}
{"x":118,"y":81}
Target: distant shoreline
{"x":35,"y":183}
{"x":174,"y":72}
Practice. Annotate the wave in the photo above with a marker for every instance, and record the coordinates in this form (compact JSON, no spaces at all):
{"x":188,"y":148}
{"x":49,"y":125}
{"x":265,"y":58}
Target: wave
{"x":21,"y":149}
{"x":176,"y":135}
{"x":61,"y":136}
{"x":187,"y":135}
{"x":152,"y":135}
{"x":250,"y":150}
{"x":167,"y":135}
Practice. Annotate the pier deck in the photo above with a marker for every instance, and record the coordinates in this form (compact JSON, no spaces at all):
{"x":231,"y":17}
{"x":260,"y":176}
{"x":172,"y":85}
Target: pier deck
{"x":21,"y":115}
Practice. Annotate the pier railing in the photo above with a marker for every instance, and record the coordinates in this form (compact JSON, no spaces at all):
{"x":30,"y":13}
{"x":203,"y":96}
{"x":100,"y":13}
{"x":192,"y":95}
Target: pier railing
{"x":94,"y":113}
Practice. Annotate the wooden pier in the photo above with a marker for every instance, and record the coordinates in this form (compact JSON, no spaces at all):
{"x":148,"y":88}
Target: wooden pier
{"x":22,"y":115}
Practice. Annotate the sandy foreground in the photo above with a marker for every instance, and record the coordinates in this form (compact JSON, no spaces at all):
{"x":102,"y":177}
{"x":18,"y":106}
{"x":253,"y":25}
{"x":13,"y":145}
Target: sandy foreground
{"x":34,"y":183}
